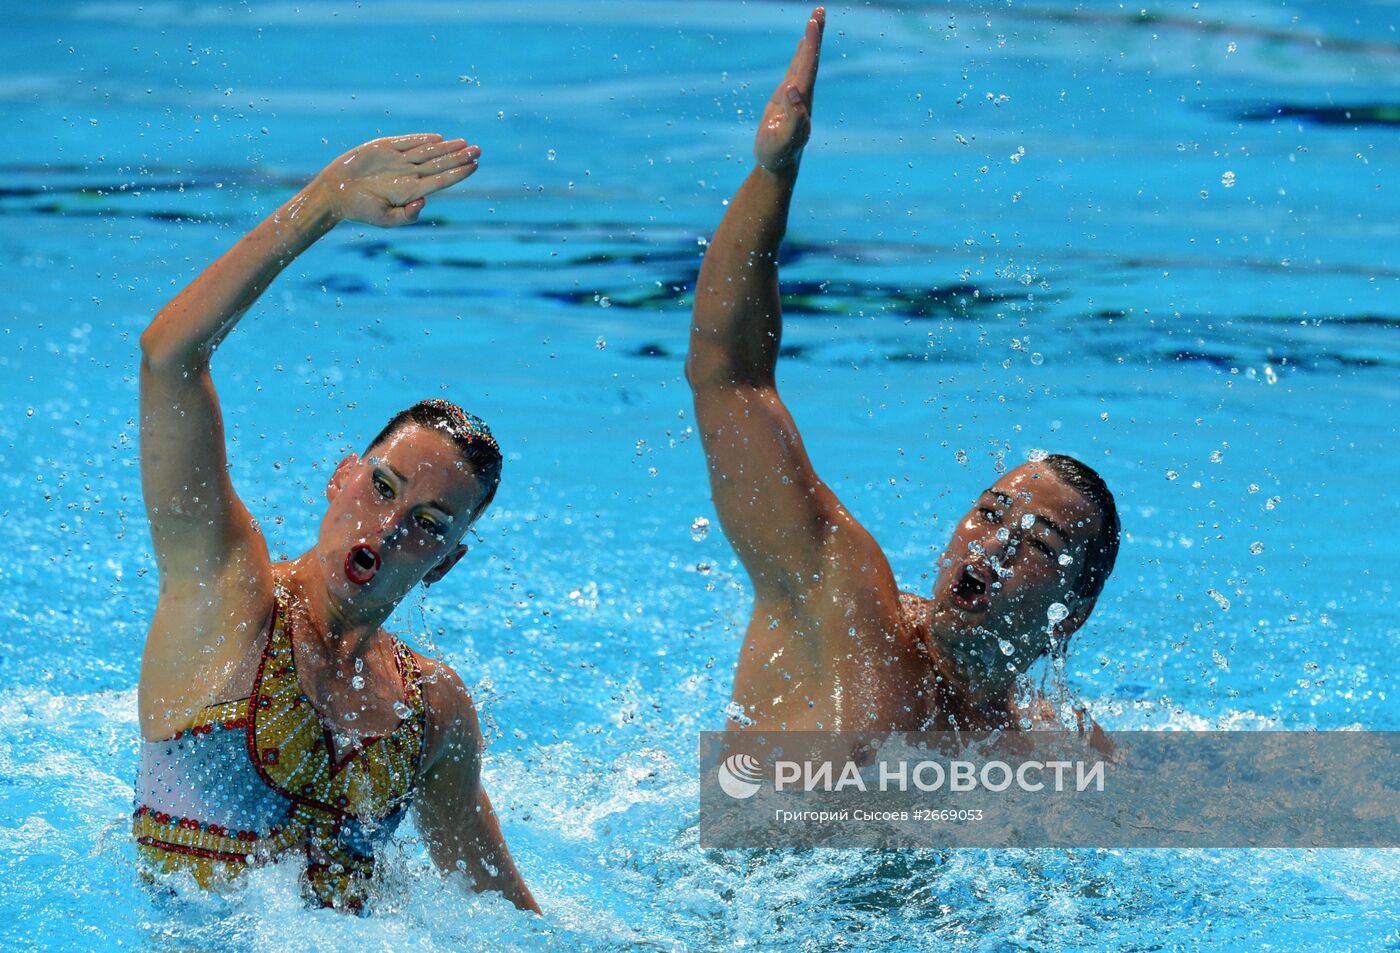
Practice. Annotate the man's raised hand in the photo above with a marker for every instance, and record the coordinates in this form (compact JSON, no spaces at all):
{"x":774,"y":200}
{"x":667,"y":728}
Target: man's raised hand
{"x":384,"y":182}
{"x":787,"y":122}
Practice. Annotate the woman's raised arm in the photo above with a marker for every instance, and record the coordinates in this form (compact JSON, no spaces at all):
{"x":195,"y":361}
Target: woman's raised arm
{"x":198,"y":524}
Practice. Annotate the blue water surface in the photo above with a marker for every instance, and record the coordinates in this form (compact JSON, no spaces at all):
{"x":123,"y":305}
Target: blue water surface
{"x":1162,"y":239}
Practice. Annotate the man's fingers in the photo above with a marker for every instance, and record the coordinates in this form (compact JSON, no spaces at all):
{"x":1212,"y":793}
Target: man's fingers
{"x":809,"y":54}
{"x":405,"y":143}
{"x":802,"y":70}
{"x":816,"y":28}
{"x":803,"y":66}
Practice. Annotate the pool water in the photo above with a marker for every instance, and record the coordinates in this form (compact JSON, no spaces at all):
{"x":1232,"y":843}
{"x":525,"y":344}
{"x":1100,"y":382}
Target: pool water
{"x":1163,"y":241}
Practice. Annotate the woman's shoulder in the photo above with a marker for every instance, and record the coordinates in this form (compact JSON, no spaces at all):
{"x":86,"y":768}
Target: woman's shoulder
{"x":447,"y":704}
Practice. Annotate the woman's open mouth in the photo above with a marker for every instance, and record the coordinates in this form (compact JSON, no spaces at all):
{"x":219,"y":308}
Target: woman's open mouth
{"x":971,"y":591}
{"x":361,"y":563}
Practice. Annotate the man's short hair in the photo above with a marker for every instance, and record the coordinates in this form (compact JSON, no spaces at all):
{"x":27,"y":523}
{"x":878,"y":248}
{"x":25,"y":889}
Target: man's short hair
{"x":1101,"y":553}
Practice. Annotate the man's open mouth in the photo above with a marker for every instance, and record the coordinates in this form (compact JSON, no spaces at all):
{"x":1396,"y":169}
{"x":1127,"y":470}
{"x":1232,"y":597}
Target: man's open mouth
{"x":972,"y":589}
{"x":361,"y":563}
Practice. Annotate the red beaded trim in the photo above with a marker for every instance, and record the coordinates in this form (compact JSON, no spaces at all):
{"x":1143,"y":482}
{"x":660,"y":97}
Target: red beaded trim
{"x":198,"y":826}
{"x":225,"y":856}
{"x":279,"y":616}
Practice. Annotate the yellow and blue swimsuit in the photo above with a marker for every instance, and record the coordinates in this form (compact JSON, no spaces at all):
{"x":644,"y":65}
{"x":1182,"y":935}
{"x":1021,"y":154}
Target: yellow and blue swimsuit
{"x":258,"y":779}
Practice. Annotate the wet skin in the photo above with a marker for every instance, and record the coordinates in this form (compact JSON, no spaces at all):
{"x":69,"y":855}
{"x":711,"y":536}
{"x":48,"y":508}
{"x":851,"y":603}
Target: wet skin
{"x":411,"y":500}
{"x":853,"y":652}
{"x":392,"y":521}
{"x":832,"y":642}
{"x":1012,"y":546}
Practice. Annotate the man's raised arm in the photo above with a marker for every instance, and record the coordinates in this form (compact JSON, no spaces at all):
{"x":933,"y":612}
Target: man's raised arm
{"x":774,"y":509}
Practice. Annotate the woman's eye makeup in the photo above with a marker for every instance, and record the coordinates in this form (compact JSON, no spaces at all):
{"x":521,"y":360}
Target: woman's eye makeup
{"x":383,"y":488}
{"x":430,"y":525}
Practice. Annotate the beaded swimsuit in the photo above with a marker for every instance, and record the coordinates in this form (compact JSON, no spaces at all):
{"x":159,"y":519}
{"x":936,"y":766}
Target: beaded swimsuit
{"x":256,"y":779}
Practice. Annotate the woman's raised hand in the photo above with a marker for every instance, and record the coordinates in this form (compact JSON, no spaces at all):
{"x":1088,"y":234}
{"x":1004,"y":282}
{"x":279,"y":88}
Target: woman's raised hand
{"x":384,"y":182}
{"x":787,"y":122}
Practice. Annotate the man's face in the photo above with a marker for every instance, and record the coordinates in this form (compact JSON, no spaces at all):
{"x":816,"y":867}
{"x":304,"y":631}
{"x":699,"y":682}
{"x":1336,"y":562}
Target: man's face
{"x":1015,"y":555}
{"x":395,"y":515}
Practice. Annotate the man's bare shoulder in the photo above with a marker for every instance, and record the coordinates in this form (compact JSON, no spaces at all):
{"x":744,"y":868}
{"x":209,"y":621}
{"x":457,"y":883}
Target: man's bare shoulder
{"x":914,"y":615}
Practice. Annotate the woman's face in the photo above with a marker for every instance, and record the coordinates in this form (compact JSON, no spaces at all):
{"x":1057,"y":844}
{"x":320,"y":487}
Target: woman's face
{"x":396,"y":515}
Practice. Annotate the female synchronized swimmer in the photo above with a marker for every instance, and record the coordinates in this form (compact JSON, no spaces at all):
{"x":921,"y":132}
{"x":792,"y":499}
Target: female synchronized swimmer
{"x":280,"y":720}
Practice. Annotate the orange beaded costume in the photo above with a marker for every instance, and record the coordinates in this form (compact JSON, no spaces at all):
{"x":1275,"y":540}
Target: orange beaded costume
{"x":256,"y":779}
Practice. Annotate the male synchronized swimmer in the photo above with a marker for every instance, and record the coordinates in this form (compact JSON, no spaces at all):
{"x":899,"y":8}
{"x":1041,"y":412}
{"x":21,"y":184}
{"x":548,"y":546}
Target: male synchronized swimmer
{"x":832,"y":643}
{"x":281,"y":722}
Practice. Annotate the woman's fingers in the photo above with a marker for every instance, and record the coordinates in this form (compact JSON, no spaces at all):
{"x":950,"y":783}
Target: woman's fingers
{"x":451,"y":160}
{"x":397,"y":215}
{"x":432,"y":150}
{"x":432,"y":183}
{"x":405,"y":143}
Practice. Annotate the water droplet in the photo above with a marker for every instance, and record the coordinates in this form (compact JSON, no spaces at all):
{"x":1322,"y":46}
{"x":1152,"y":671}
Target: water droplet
{"x":1057,"y":612}
{"x":1270,"y":375}
{"x":550,"y":155}
{"x":1216,"y":456}
{"x":501,"y":115}
{"x":702,"y":568}
{"x":1219,"y":659}
{"x":1037,"y":358}
{"x":700,"y":528}
{"x":1205,"y":194}
{"x":1003,"y":534}
{"x":1006,"y":647}
{"x":1228,"y":180}
{"x":960,"y":456}
{"x":1036,"y":454}
{"x":350,"y":715}
{"x":605,"y":302}
{"x":1065,"y":559}
{"x":1220,"y":600}
{"x":600,"y":344}
{"x":1231,"y":48}
{"x":401,"y":709}
{"x":359,"y":665}
{"x":1028,"y":521}
{"x":1256,"y":548}
{"x":1172,"y":474}
{"x":357,"y":682}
